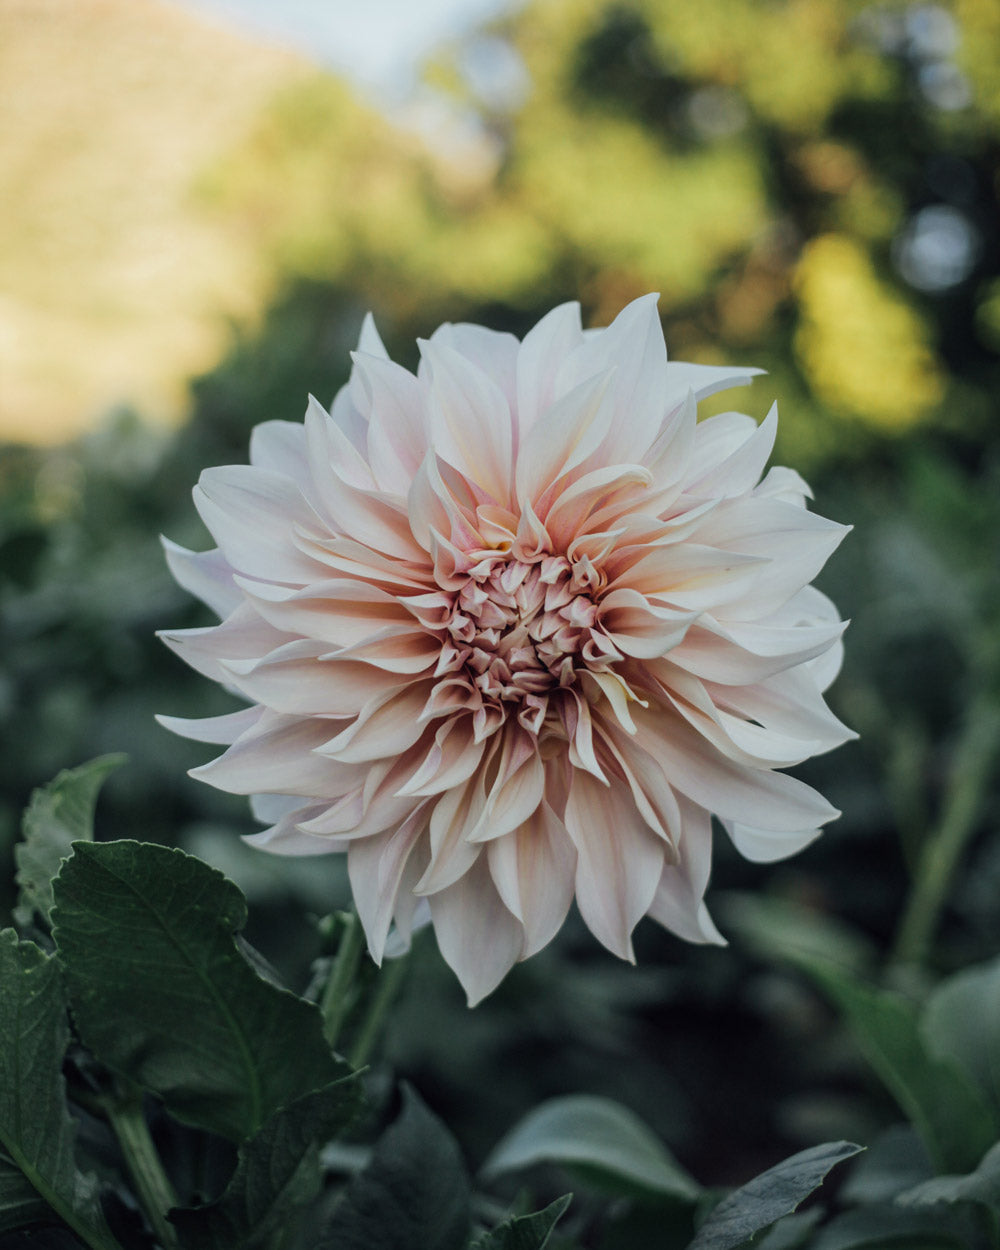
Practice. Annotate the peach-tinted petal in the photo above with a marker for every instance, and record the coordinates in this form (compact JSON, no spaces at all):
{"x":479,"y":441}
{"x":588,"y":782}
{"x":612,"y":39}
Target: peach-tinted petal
{"x":478,"y":937}
{"x":534,"y":870}
{"x":618,"y":865}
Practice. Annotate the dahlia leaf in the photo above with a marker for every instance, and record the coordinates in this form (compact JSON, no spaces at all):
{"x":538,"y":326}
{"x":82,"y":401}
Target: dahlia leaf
{"x":940,"y":1100}
{"x":981,"y":1186}
{"x":767,"y":1198}
{"x":36,"y":1130}
{"x":277,"y":1171}
{"x":524,"y":1232}
{"x":20,"y":1204}
{"x":599,"y":1137}
{"x":161,"y":992}
{"x":962,"y":1022}
{"x":58,"y":815}
{"x":887,"y":1224}
{"x":414,"y":1192}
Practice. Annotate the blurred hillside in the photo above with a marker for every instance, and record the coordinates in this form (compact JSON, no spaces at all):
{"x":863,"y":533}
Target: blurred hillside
{"x":115,"y":286}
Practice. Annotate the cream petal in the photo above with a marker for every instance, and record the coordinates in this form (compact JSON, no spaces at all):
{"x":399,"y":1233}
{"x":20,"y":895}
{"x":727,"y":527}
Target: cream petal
{"x":347,"y":417}
{"x":715,"y":440}
{"x":686,"y":575}
{"x":270,"y":808}
{"x":633,"y":346}
{"x":740,"y":471}
{"x":679,"y":901}
{"x":740,"y":740}
{"x":513,"y":799}
{"x":285,"y":838}
{"x":764,"y":846}
{"x":654,"y":799}
{"x":784,"y":484}
{"x":242,"y":635}
{"x":386,"y":726}
{"x":705,"y":380}
{"x":348,"y":464}
{"x":397,"y":429}
{"x":493,"y":352}
{"x":543,"y":350}
{"x":339,"y":611}
{"x":789,"y":702}
{"x":478,"y":937}
{"x":730,"y":790}
{"x":252,"y":513}
{"x":572,"y":430}
{"x":279,"y":447}
{"x":219,"y":730}
{"x":398,"y":649}
{"x":470,"y":421}
{"x":640,"y":628}
{"x":369,"y":340}
{"x":453,"y":818}
{"x":205,"y":574}
{"x":795,"y":543}
{"x":299,"y":680}
{"x":534,"y":870}
{"x":670,"y":452}
{"x":573,"y":505}
{"x":377,"y":867}
{"x":452,"y":759}
{"x":738,"y":654}
{"x":619,"y":862}
{"x":279,"y":756}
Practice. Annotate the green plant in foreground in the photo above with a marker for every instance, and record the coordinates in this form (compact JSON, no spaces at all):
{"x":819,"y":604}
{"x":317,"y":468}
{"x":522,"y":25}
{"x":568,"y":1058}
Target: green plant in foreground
{"x":159,"y":1088}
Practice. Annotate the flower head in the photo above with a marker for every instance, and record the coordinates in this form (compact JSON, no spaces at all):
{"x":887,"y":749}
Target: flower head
{"x":512,"y":630}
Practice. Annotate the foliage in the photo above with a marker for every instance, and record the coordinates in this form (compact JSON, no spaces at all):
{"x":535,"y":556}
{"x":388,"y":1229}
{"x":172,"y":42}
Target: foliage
{"x":770,"y":166}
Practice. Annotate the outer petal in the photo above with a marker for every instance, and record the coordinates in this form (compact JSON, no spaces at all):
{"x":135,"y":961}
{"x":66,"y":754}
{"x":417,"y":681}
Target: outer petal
{"x":205,"y":574}
{"x":619,"y":864}
{"x":679,"y":900}
{"x":477,"y":935}
{"x":534,"y":869}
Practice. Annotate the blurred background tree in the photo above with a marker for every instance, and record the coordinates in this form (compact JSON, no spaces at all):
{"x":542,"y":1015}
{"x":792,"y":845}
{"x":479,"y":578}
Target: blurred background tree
{"x":813,"y":187}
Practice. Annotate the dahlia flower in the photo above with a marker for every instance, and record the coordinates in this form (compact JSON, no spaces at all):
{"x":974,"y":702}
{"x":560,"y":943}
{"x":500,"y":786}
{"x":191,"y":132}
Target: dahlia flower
{"x":512,"y":630}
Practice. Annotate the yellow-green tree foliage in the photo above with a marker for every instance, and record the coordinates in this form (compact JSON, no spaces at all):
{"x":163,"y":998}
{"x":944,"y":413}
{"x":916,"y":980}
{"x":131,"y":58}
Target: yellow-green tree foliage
{"x":761,"y":164}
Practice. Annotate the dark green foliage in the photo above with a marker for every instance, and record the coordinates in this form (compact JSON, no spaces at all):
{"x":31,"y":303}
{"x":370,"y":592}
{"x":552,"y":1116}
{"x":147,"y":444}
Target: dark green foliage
{"x":414,"y":1192}
{"x":176,"y":1007}
{"x":775,"y":1193}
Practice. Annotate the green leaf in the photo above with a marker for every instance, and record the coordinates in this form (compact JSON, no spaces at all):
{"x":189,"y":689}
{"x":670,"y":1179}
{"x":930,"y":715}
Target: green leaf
{"x":782,"y":930}
{"x":58,"y":815}
{"x":962,"y":1022}
{"x":277,"y":1172}
{"x":896,"y":1160}
{"x":161,"y":993}
{"x":982,"y":1186}
{"x":524,"y":1232}
{"x":955,"y":1123}
{"x":36,"y":1129}
{"x":414,"y":1193}
{"x":764,"y":1200}
{"x":600,"y":1136}
{"x":892,"y":1227}
{"x":19,"y":1200}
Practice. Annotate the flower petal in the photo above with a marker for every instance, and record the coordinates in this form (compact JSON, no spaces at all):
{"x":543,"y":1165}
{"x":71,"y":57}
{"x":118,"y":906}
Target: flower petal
{"x":478,"y":937}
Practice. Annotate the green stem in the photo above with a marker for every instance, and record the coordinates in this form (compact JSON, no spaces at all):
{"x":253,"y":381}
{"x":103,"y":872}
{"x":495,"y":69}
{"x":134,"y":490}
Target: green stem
{"x":975,"y":757}
{"x":387,"y":984}
{"x":152,"y":1186}
{"x":337,"y":999}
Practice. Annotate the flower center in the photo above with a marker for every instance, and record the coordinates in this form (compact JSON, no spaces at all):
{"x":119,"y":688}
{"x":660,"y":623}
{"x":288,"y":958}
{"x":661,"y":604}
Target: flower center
{"x":520,"y":630}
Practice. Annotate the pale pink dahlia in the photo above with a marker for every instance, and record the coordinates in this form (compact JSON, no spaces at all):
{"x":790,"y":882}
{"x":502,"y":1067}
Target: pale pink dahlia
{"x":512,"y":630}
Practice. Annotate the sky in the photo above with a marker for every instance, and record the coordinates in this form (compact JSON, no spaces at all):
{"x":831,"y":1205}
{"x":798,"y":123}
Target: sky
{"x":376,"y":43}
